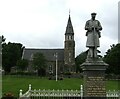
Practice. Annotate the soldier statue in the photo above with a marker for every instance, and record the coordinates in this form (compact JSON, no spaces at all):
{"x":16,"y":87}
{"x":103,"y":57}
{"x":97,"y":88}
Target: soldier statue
{"x":93,"y":34}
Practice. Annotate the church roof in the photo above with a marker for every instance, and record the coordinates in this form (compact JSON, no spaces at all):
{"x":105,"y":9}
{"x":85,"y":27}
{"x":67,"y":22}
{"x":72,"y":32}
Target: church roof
{"x":69,"y":28}
{"x":48,"y":53}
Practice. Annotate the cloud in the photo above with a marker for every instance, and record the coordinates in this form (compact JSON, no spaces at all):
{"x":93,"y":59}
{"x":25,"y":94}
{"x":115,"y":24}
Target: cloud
{"x":42,"y":23}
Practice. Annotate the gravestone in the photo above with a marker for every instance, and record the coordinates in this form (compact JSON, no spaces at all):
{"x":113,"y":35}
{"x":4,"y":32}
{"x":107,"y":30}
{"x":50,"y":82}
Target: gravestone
{"x":94,"y":67}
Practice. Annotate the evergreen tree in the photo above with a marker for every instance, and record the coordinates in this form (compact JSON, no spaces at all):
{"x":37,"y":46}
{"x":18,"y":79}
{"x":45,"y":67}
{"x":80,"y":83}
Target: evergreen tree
{"x":112,"y":57}
{"x":22,"y":64}
{"x":79,"y":60}
{"x":39,"y":63}
{"x":11,"y":53}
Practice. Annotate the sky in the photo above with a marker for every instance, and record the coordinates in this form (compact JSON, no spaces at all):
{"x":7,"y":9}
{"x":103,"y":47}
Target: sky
{"x":42,"y":23}
{"x":119,"y":21}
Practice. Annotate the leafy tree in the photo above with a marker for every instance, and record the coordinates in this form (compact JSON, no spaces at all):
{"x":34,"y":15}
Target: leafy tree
{"x":11,"y":53}
{"x":112,"y":57}
{"x":79,"y":60}
{"x":39,"y":63}
{"x":3,"y":39}
{"x":22,"y":64}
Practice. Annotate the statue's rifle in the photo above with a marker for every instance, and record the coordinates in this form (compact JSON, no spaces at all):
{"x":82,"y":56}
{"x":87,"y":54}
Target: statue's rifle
{"x":94,"y":38}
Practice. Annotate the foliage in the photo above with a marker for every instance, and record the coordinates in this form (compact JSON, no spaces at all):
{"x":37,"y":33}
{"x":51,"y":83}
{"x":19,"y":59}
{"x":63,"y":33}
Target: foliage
{"x":22,"y":64}
{"x":3,"y":39}
{"x":79,"y":60}
{"x":112,"y":57}
{"x":67,"y":73}
{"x":11,"y":53}
{"x":8,"y":96}
{"x":39,"y":63}
{"x":23,"y":73}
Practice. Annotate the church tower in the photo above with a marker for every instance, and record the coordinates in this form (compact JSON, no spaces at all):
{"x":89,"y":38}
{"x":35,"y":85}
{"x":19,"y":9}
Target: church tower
{"x":69,"y":48}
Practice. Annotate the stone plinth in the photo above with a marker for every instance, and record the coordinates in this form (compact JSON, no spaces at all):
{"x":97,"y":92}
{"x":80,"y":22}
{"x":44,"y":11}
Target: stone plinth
{"x":94,"y":78}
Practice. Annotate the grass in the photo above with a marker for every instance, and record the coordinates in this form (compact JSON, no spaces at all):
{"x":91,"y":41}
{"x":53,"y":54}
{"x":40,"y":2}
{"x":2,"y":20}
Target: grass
{"x":14,"y":83}
{"x":113,"y":85}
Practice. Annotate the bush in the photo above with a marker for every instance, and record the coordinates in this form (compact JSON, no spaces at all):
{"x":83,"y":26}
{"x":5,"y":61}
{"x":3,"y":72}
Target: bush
{"x":8,"y":96}
{"x":24,"y":73}
{"x":50,"y":78}
{"x":61,"y":78}
{"x":67,"y":73}
{"x":112,"y":76}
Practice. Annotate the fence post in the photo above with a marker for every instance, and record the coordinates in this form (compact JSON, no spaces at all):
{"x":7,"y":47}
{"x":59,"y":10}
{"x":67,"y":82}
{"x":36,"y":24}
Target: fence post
{"x":29,"y":87}
{"x":81,"y":91}
{"x":119,"y":94}
{"x":20,"y":93}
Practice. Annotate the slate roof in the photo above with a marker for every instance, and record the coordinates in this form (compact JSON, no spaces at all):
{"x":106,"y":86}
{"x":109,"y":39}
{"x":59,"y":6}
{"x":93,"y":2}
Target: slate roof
{"x":48,"y":53}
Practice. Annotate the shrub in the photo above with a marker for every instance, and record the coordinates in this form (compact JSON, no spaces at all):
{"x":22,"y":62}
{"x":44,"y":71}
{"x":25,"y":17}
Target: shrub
{"x":24,"y":73}
{"x":67,"y":73}
{"x":8,"y":96}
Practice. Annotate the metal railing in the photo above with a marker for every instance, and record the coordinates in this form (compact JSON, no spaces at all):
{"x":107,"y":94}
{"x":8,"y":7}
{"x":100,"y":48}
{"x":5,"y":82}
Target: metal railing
{"x":60,"y":94}
{"x":113,"y":94}
{"x":30,"y":94}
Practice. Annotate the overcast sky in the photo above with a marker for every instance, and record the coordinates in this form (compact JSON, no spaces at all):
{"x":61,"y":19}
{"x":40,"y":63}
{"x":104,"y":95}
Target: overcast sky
{"x":42,"y":23}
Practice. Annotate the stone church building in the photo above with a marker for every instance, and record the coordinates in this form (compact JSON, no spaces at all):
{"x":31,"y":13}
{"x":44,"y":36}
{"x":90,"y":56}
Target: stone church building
{"x":65,"y":57}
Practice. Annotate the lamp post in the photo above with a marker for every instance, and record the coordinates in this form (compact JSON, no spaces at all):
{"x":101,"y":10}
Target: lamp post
{"x":56,"y":55}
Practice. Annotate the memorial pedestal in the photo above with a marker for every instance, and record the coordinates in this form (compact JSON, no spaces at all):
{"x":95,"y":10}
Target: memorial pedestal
{"x":94,"y":78}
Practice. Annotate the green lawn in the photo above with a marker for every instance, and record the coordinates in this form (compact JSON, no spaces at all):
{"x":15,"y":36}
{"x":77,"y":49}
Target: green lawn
{"x":13,"y":84}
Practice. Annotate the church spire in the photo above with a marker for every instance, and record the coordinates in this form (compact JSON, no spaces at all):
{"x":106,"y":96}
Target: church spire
{"x":69,"y":48}
{"x":69,"y":28}
{"x":69,"y":12}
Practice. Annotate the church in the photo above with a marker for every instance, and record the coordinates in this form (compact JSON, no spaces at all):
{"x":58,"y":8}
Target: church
{"x":65,"y":57}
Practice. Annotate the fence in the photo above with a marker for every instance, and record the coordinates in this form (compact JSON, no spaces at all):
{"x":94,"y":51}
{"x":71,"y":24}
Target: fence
{"x":35,"y":94}
{"x":113,"y":94}
{"x":60,"y":94}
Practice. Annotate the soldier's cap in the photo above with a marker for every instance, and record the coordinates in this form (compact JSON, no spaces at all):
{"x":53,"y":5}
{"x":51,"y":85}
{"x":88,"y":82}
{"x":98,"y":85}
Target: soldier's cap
{"x":93,"y":13}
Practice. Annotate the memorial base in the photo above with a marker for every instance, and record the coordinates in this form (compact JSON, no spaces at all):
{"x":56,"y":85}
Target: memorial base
{"x":94,"y":78}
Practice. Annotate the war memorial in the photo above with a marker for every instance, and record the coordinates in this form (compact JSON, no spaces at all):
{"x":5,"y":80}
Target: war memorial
{"x":94,"y":68}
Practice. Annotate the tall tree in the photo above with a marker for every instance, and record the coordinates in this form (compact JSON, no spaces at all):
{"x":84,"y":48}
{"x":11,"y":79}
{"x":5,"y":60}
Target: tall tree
{"x":79,"y":60}
{"x":39,"y":63}
{"x":11,"y":53}
{"x":112,"y":57}
{"x":3,"y":39}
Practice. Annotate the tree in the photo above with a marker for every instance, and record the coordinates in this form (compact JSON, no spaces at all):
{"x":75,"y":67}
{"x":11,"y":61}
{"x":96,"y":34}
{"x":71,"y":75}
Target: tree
{"x":11,"y":53}
{"x":22,"y":64}
{"x":79,"y":60}
{"x":39,"y":63}
{"x":3,"y":39}
{"x":112,"y":57}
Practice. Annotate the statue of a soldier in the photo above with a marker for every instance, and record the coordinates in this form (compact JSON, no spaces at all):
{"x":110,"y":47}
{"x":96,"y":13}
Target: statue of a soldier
{"x":93,"y":28}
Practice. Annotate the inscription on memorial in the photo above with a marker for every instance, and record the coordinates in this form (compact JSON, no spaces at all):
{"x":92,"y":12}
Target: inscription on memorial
{"x":95,"y":86}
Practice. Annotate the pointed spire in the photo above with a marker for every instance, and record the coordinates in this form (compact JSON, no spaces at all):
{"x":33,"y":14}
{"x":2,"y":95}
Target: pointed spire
{"x":69,"y":28}
{"x":69,"y":12}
